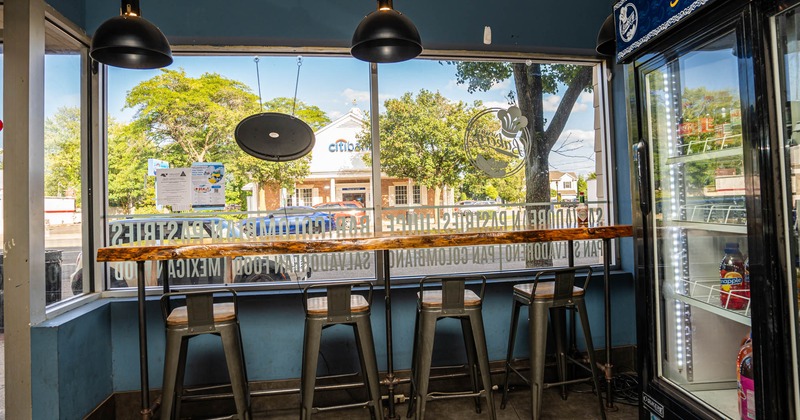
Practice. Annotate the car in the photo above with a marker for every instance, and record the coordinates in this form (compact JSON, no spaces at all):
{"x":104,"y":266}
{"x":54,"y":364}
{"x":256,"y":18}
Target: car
{"x":345,"y":213}
{"x":474,"y":206}
{"x":289,"y":220}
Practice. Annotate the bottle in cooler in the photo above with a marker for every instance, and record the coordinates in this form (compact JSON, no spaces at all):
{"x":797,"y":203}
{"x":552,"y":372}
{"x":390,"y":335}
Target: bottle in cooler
{"x":745,"y":380}
{"x":734,"y":293}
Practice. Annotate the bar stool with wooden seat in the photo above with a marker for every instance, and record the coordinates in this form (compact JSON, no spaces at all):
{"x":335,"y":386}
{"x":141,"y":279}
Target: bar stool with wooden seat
{"x":440,"y":297}
{"x":542,"y":297}
{"x":202,"y":316}
{"x":338,"y":306}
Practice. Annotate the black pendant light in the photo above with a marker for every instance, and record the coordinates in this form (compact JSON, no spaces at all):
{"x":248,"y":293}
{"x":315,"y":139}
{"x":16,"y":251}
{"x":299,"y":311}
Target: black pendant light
{"x":130,"y":41}
{"x":386,"y":36}
{"x":606,"y":38}
{"x":274,"y":136}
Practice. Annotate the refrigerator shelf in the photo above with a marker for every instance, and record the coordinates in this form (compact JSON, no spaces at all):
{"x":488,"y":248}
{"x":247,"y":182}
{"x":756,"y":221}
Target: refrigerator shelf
{"x":711,"y":227}
{"x":729,"y":151}
{"x":705,"y":294}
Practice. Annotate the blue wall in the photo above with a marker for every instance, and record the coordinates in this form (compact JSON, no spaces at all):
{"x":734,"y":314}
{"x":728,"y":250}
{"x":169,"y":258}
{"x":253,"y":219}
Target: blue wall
{"x":71,"y":362}
{"x":517,"y":25}
{"x":83,"y":356}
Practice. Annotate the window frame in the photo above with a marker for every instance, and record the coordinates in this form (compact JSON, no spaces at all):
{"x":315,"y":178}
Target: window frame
{"x":602,"y":125}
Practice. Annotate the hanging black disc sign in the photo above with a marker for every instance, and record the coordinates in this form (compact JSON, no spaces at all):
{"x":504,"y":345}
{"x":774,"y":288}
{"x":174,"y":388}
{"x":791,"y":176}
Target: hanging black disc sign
{"x":274,"y":136}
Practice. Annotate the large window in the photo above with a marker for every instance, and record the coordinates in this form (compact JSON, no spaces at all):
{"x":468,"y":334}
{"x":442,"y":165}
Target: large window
{"x":453,"y":159}
{"x":481,"y":158}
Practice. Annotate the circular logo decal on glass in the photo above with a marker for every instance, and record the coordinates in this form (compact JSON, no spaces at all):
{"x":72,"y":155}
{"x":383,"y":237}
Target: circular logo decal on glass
{"x":496,"y":140}
{"x":628,"y":21}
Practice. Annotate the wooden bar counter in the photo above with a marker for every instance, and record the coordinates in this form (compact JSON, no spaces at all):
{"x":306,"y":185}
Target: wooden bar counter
{"x":385,"y":242}
{"x":183,"y":249}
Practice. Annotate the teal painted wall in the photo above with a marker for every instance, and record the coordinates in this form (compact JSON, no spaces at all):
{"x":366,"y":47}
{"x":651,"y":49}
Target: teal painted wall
{"x":517,"y":25}
{"x":71,"y":362}
{"x":83,"y":356}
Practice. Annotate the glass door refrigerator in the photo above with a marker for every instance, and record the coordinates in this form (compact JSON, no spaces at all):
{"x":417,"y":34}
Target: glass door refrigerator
{"x":713,"y":199}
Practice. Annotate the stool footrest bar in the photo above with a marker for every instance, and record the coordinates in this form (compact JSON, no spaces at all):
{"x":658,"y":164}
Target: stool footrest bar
{"x":340,"y":407}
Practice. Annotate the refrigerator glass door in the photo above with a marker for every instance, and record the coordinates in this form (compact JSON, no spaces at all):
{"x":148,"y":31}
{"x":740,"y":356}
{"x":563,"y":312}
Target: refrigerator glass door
{"x":787,"y":31}
{"x":692,"y":120}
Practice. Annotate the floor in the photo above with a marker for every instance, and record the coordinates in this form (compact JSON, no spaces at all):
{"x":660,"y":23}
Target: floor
{"x":579,"y":405}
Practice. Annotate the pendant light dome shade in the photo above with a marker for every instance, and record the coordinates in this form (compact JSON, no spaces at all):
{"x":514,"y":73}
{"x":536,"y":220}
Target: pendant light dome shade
{"x":606,"y":38}
{"x":274,"y":137}
{"x":386,"y":36}
{"x":130,"y":41}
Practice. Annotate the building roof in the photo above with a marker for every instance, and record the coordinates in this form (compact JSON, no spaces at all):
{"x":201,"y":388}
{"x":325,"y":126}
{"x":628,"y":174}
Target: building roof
{"x":557,"y":175}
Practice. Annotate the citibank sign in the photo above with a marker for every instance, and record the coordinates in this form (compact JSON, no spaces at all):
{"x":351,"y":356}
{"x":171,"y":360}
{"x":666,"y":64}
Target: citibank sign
{"x":343,"y":145}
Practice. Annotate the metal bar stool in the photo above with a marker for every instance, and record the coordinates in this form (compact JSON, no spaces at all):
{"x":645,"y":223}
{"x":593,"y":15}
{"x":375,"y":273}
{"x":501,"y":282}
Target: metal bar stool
{"x":202,"y":316}
{"x":449,"y":299}
{"x":338,"y":306}
{"x":541,"y":297}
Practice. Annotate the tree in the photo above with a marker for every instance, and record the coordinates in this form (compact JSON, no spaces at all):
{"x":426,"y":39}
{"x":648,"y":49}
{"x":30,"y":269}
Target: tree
{"x":581,"y":184}
{"x":422,"y":138}
{"x":310,"y":114}
{"x":128,"y":151}
{"x":508,"y":188}
{"x":62,"y":138}
{"x":191,"y":119}
{"x":532,"y":81}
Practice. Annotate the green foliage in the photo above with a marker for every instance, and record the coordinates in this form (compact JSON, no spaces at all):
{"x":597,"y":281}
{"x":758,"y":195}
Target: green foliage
{"x":481,"y":76}
{"x":510,"y":189}
{"x":128,"y":151}
{"x":280,"y":174}
{"x":187,"y":120}
{"x":310,"y":114}
{"x":581,"y":184}
{"x":191,"y":119}
{"x":422,"y":138}
{"x":490,"y":191}
{"x":62,"y":154}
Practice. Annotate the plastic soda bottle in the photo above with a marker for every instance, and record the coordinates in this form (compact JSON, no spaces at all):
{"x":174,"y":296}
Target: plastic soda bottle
{"x":734,"y":291}
{"x":745,"y":380}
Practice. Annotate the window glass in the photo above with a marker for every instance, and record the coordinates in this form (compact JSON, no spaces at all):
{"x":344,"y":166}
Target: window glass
{"x":479,"y":146}
{"x":63,"y":202}
{"x":451,"y":162}
{"x":183,"y":119}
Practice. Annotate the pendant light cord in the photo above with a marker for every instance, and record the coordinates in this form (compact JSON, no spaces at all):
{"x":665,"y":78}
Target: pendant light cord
{"x":258,"y":80}
{"x":297,"y":82}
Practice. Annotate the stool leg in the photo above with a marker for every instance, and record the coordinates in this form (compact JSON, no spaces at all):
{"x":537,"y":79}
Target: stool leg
{"x":427,"y":333}
{"x":476,"y":320}
{"x":171,"y":363}
{"x":369,"y":363}
{"x":558,"y":318}
{"x":181,"y":375}
{"x":414,"y":355}
{"x":472,"y":365}
{"x":538,"y":343}
{"x":231,"y":343}
{"x":512,"y":336}
{"x":311,"y":340}
{"x":587,"y":334}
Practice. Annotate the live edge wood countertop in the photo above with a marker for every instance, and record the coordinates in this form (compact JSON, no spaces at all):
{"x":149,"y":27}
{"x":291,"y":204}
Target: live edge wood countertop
{"x":296,"y":244}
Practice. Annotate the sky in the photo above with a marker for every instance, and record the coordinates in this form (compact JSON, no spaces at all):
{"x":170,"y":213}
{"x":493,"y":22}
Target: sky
{"x":337,"y":84}
{"x":334,"y":84}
